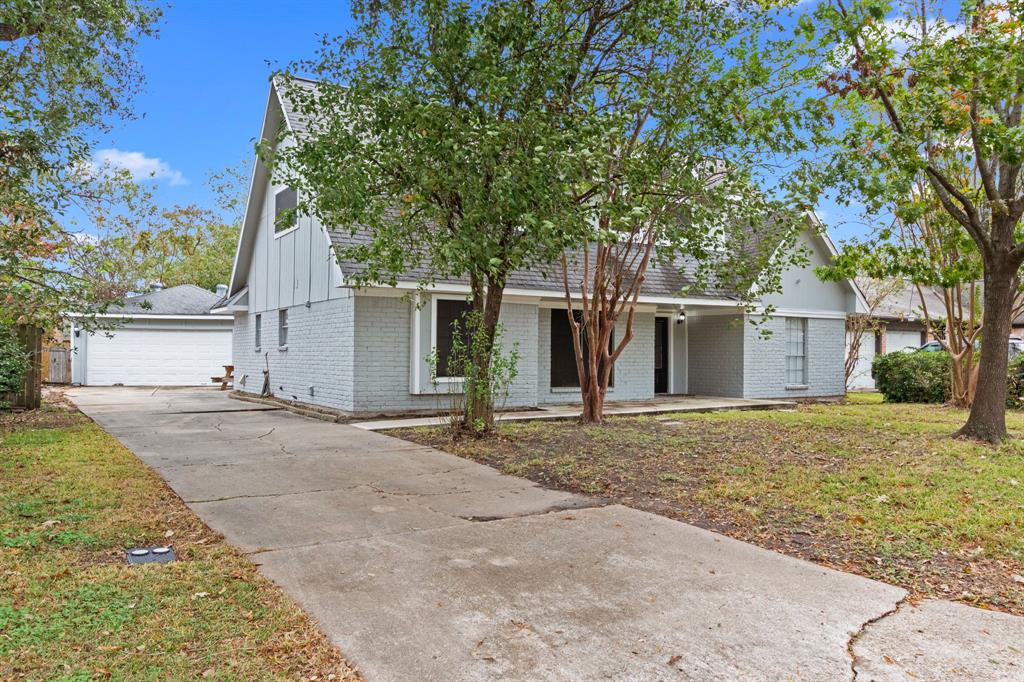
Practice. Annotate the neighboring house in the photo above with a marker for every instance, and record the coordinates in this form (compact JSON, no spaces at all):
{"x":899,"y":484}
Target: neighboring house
{"x":363,"y":351}
{"x":900,"y":326}
{"x":168,"y":337}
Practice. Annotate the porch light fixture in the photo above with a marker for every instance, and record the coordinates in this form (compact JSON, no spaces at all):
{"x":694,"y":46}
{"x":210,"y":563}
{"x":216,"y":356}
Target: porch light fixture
{"x":681,"y":317}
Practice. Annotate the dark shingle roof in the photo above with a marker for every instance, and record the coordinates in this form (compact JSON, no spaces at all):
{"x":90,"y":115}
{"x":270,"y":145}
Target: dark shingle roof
{"x":662,"y":279}
{"x":184,"y":299}
{"x":295,"y":120}
{"x":902,"y":300}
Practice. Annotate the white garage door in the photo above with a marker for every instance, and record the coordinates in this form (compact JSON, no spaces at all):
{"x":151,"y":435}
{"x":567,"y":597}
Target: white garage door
{"x":900,"y":340}
{"x":861,"y":376}
{"x":157,"y":357}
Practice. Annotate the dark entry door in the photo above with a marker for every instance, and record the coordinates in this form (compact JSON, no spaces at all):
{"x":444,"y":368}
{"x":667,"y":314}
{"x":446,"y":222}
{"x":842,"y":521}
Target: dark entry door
{"x":661,"y":355}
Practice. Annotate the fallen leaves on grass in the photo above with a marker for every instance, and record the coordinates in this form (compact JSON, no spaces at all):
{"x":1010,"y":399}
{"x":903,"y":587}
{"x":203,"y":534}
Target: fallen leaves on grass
{"x":71,"y":500}
{"x":876,"y":489}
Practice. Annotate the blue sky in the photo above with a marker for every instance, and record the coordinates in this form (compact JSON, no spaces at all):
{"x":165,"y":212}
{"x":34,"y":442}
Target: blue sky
{"x":206,"y":87}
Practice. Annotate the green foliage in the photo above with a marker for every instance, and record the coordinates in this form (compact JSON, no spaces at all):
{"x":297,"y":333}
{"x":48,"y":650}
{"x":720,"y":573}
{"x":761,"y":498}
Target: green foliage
{"x":14,"y":363}
{"x":68,"y":72}
{"x":142,"y":242}
{"x":476,"y":139}
{"x":1015,"y":382}
{"x":930,"y":96}
{"x":486,"y":374}
{"x":912,"y":377}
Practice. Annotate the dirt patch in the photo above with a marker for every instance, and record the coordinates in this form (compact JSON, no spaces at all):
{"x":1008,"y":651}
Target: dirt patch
{"x":56,"y":412}
{"x":875,"y":490}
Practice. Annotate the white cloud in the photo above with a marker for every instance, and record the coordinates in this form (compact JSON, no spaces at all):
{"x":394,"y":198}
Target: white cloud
{"x":84,"y":238}
{"x":140,"y":166}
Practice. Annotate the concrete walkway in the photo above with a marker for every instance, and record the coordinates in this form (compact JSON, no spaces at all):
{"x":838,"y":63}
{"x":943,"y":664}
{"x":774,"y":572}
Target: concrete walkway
{"x":660,"y":405}
{"x":421,"y":565}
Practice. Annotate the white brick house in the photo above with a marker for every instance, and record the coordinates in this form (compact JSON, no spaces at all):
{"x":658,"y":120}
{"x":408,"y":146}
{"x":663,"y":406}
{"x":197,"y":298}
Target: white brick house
{"x":363,"y":351}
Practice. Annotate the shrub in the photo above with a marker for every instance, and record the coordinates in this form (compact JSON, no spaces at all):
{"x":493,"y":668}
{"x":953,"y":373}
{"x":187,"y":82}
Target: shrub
{"x":479,"y":386}
{"x":1015,"y":382}
{"x":912,"y":377}
{"x":14,"y":363}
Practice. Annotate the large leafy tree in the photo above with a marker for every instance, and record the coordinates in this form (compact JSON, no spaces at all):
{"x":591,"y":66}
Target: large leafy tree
{"x":139,"y":243}
{"x":470,"y":140}
{"x":929,"y":89}
{"x":445,"y":131}
{"x":694,"y":105}
{"x":926,"y":247}
{"x":67,"y":71}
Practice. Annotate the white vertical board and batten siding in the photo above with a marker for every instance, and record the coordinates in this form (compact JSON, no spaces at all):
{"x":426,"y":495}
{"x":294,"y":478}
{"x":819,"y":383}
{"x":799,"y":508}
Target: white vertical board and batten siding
{"x":290,"y":268}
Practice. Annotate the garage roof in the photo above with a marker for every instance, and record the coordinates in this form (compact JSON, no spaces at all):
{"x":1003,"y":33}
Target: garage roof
{"x":184,"y":299}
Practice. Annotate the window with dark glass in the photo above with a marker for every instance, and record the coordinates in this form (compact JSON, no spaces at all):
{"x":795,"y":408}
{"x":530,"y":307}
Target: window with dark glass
{"x":285,"y":200}
{"x":563,"y":357}
{"x":451,"y":320}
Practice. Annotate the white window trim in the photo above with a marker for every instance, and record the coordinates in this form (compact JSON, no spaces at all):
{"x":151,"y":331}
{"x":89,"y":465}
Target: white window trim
{"x":433,"y":333}
{"x":273,"y":218}
{"x":671,"y":350}
{"x":803,"y":385}
{"x":285,"y":326}
{"x":258,"y":328}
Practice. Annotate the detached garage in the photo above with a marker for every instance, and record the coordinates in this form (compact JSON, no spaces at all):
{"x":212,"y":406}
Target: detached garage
{"x":166,"y":337}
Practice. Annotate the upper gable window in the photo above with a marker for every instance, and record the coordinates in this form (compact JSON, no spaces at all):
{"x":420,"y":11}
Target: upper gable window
{"x":285,"y":202}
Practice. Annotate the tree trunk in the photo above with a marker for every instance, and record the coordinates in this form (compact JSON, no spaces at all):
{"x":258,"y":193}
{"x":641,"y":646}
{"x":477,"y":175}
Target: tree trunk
{"x":593,"y":403}
{"x":479,"y":407}
{"x":987,"y":421}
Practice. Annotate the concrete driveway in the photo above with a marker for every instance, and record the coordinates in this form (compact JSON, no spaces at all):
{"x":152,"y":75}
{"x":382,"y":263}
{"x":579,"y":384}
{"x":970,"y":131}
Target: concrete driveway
{"x":422,"y":565}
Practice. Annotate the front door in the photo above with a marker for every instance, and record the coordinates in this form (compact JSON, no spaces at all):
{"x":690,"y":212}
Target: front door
{"x":661,"y":331}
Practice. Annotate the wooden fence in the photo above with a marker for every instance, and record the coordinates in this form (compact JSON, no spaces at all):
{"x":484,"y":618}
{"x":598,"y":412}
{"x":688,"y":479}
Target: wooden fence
{"x":56,"y":364}
{"x":30,"y":395}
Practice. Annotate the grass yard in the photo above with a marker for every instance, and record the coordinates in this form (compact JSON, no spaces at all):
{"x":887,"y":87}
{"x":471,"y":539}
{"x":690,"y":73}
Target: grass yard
{"x":866,"y":487}
{"x":71,"y":499}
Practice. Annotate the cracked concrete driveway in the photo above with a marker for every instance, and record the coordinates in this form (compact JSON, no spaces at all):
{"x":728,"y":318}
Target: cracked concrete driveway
{"x":422,"y":565}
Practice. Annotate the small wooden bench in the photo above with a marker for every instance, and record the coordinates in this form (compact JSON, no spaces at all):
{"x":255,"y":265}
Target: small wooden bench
{"x":227,"y":380}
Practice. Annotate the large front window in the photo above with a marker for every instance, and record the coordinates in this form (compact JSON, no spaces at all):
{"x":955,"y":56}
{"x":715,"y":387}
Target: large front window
{"x":563,"y":356}
{"x":796,"y":351}
{"x":451,"y":321}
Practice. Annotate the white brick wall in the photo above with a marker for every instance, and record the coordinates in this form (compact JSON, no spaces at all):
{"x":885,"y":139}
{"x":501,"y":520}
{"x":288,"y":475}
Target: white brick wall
{"x":383,"y":356}
{"x":765,"y":360}
{"x":355,"y":354}
{"x":715,"y":354}
{"x":318,"y":356}
{"x":634,"y":372}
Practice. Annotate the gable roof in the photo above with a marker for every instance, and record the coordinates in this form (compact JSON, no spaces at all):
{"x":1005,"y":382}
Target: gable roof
{"x":184,"y":299}
{"x":904,"y":303}
{"x":292,"y":118}
{"x":661,"y":280}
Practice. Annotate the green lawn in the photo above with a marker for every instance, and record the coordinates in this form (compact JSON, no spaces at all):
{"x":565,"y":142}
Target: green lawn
{"x":71,"y":499}
{"x":873,"y":488}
